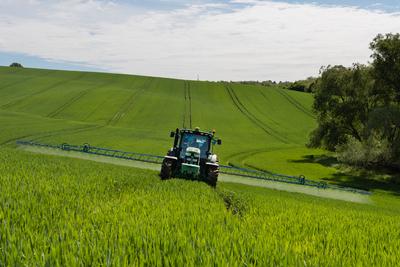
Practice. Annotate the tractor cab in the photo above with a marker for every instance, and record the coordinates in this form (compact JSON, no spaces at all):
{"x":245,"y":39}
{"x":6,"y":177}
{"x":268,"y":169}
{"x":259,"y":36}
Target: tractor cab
{"x":194,"y":142}
{"x":191,"y":155}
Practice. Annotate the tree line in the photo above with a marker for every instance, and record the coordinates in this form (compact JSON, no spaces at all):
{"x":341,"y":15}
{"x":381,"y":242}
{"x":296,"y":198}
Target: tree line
{"x":300,"y":85}
{"x":358,"y":108}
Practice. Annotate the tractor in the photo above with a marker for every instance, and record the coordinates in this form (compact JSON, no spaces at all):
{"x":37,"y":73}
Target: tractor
{"x":191,"y":156}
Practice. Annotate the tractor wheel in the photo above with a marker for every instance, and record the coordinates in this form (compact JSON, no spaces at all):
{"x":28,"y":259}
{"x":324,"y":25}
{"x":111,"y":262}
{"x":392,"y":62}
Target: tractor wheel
{"x":212,"y":177}
{"x":166,"y":170}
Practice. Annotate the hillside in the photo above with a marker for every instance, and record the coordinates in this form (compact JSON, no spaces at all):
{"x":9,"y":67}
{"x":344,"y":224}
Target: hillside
{"x":93,"y":213}
{"x":136,"y":113}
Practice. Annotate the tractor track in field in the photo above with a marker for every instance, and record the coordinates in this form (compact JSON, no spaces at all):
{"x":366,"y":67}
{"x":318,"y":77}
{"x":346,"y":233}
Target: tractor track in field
{"x":295,"y":103}
{"x":261,"y":111}
{"x":9,"y":70}
{"x":187,"y":114}
{"x":8,"y":141}
{"x":25,"y":80}
{"x":128,"y":104}
{"x":184,"y":107}
{"x":35,"y":137}
{"x":190,"y":104}
{"x":250,"y":116}
{"x":63,"y":82}
{"x":242,"y":156}
{"x":75,"y":99}
{"x":66,"y":131}
{"x":86,"y":119}
{"x":249,"y":153}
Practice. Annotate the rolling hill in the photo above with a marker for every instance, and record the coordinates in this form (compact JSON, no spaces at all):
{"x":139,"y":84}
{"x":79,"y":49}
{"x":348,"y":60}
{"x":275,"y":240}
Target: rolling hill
{"x":136,"y":113}
{"x":62,"y":211}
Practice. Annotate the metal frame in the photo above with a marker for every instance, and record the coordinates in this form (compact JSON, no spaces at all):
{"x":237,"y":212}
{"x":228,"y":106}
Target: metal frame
{"x":231,"y":170}
{"x":86,"y":148}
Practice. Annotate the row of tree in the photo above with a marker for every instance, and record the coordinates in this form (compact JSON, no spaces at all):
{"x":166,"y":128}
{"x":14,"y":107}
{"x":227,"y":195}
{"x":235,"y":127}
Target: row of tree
{"x":358,"y":108}
{"x":301,"y":85}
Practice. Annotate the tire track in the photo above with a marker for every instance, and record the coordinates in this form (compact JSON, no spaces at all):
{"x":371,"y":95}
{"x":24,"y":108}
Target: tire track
{"x":94,"y":110}
{"x":125,"y":107}
{"x":187,"y":112}
{"x":25,"y":80}
{"x":47,"y":134}
{"x":22,"y":99}
{"x":128,"y":104}
{"x":184,"y":106}
{"x":9,"y":141}
{"x":190,"y":103}
{"x":66,"y":131}
{"x":241,"y":156}
{"x":273,"y":123}
{"x":8,"y":70}
{"x":74,"y":99}
{"x":250,"y":116}
{"x":295,"y":103}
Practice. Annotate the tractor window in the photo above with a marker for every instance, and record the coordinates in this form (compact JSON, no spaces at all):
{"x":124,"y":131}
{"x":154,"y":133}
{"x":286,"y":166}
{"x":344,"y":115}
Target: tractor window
{"x":194,"y":140}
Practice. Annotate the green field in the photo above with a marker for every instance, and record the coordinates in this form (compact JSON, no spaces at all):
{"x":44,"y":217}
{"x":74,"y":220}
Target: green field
{"x":62,"y":211}
{"x":136,"y":113}
{"x":58,"y":211}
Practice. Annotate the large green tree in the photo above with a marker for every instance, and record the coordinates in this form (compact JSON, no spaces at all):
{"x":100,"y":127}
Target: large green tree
{"x":385,"y":119}
{"x":342,"y":104}
{"x":358,"y":108}
{"x":386,"y":64}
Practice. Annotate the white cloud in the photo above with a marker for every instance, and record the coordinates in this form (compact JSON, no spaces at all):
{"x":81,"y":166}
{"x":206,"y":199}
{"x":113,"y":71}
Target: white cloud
{"x":260,"y":40}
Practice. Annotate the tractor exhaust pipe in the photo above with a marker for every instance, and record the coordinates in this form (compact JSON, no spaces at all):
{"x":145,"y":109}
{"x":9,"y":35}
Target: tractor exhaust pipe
{"x":176,"y":137}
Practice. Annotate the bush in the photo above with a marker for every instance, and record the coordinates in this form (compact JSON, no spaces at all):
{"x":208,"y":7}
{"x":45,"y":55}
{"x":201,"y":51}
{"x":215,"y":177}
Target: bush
{"x":16,"y":65}
{"x":375,"y":151}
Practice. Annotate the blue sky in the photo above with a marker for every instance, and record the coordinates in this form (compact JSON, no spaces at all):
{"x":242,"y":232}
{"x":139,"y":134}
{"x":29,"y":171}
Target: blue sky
{"x":217,"y":40}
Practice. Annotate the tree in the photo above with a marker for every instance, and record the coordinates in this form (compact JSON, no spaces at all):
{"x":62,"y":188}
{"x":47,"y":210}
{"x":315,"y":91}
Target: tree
{"x":358,"y":108}
{"x":303,"y":85}
{"x":386,"y":64}
{"x":342,"y":104}
{"x":385,"y":123}
{"x":385,"y":119}
{"x":298,"y":86}
{"x":16,"y":65}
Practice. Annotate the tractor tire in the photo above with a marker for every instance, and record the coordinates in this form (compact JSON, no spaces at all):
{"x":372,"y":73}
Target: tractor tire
{"x":166,"y":170}
{"x":85,"y":147}
{"x":212,"y":176}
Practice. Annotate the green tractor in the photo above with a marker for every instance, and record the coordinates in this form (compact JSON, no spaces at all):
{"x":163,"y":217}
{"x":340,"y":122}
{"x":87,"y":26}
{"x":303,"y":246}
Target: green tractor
{"x":191,"y":157}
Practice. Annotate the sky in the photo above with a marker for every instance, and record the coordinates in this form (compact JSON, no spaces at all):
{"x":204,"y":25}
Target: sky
{"x":210,"y":39}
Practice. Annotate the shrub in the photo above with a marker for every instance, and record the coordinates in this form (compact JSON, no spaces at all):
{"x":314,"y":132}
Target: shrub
{"x":374,"y":151}
{"x":16,"y":65}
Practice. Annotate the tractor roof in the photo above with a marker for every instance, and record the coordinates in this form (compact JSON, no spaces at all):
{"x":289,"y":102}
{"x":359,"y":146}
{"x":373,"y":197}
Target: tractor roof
{"x":198,"y":132}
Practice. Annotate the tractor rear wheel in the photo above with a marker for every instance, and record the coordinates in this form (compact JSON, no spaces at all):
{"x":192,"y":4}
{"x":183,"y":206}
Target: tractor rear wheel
{"x":212,"y":176}
{"x":166,"y":170}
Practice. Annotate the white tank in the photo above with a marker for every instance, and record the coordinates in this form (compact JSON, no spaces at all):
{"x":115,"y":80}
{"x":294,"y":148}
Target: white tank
{"x":212,"y":158}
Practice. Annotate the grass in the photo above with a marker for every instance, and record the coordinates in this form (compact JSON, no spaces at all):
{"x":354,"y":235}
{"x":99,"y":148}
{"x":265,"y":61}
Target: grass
{"x":59,"y":211}
{"x":317,"y":165}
